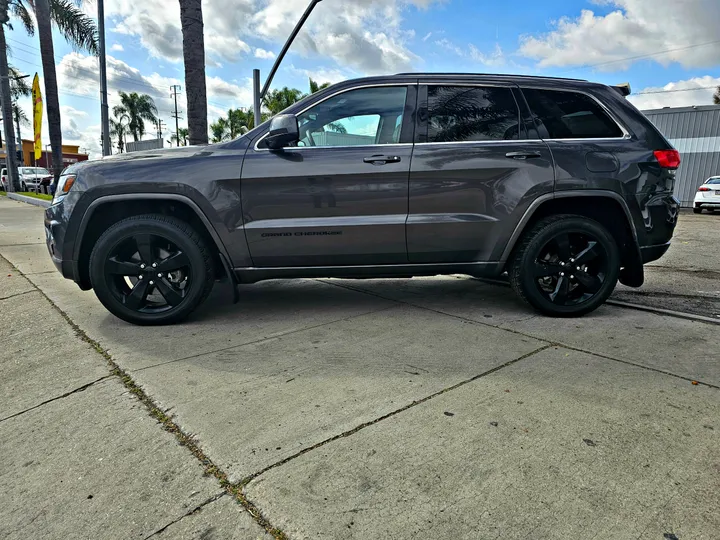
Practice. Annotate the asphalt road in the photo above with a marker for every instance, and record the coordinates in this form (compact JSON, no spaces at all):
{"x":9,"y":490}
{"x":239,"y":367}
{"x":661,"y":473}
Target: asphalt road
{"x":396,"y":409}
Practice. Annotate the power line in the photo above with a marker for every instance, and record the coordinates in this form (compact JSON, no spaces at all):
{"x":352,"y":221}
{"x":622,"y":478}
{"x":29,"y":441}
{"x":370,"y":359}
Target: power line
{"x":677,"y":90}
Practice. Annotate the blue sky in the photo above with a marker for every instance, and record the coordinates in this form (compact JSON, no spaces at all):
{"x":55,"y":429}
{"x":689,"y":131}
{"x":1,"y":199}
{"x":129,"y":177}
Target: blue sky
{"x":610,"y":41}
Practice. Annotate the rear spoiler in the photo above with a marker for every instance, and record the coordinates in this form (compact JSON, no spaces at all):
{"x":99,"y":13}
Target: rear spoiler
{"x":623,"y":88}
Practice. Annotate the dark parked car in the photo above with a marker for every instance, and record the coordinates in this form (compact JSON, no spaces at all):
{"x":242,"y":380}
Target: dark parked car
{"x":561,"y":183}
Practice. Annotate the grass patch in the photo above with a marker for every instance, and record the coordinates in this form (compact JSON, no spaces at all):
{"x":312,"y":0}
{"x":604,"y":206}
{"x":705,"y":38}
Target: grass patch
{"x":3,"y":193}
{"x":34,"y":195}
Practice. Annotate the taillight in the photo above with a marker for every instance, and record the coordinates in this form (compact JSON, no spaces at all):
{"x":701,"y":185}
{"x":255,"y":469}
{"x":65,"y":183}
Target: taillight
{"x":668,"y":159}
{"x":703,"y":188}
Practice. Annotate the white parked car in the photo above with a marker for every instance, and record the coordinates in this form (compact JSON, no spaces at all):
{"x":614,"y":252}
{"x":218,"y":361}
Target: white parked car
{"x":31,"y":178}
{"x":708,"y":195}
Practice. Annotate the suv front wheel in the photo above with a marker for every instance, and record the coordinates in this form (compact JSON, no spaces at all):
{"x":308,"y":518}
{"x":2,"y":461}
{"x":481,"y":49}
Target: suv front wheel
{"x":565,"y":266}
{"x":151,"y":269}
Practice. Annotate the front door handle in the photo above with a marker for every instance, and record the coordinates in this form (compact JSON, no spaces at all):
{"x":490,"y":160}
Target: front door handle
{"x":382,"y":160}
{"x":523,"y":155}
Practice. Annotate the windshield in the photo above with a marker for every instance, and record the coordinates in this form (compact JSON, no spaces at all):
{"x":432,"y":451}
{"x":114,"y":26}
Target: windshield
{"x":713,"y":180}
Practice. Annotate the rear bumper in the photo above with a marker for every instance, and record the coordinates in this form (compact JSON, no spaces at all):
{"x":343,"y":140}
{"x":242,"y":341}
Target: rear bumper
{"x":653,"y":253}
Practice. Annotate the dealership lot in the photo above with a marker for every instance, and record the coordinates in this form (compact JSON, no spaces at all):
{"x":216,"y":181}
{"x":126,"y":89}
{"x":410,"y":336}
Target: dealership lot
{"x":421,"y":408}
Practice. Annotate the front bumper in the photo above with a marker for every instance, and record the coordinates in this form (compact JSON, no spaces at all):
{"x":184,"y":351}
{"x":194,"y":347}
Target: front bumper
{"x":59,"y":243}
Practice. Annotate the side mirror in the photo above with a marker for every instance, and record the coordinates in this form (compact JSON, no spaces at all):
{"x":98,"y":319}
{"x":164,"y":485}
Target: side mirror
{"x":283,"y":132}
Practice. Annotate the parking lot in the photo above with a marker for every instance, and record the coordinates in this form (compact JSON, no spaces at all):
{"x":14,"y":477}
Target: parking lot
{"x":385,"y":409}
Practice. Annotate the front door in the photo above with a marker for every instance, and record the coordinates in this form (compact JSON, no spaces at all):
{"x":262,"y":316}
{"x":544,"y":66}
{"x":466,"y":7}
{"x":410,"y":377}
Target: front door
{"x":340,"y":197}
{"x":475,"y":170}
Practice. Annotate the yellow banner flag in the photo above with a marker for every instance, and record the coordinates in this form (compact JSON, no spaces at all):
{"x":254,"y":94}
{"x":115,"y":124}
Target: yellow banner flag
{"x":37,"y":115}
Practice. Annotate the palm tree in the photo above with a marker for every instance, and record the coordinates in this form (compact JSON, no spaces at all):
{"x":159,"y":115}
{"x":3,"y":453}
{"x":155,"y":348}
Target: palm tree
{"x":315,"y":87}
{"x":716,"y":96}
{"x":119,"y":130}
{"x":220,"y":130}
{"x":137,"y":108}
{"x":191,"y":21}
{"x":6,"y":101}
{"x":18,"y":88}
{"x":181,"y":136}
{"x":79,"y":30}
{"x":277,"y":101}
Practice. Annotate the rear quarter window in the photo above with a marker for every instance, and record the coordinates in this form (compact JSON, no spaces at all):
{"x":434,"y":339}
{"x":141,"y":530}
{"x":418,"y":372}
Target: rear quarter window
{"x":569,"y":115}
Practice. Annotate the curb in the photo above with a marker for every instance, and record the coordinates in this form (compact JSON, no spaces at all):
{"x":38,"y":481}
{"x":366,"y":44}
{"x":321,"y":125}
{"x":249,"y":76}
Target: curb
{"x":29,"y":200}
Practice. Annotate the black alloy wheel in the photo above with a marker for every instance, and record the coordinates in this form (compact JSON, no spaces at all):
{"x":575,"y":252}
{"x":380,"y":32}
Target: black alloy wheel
{"x":151,"y":269}
{"x":566,"y":266}
{"x":148,"y":273}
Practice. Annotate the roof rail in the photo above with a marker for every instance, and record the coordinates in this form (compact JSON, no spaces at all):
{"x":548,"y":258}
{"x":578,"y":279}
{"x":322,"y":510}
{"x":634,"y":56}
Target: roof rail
{"x":498,"y":75}
{"x":624,"y":89}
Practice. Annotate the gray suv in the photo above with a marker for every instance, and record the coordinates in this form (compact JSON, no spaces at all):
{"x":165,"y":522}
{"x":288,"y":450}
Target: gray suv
{"x":562,"y":184}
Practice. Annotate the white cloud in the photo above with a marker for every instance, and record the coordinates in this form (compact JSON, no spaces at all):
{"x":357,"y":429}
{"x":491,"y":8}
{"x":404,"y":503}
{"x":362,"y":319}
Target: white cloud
{"x":696,"y":91}
{"x":264,"y":55}
{"x":636,"y":28}
{"x":494,"y":58}
{"x":117,"y":47}
{"x":364,"y":34}
{"x":427,"y":36}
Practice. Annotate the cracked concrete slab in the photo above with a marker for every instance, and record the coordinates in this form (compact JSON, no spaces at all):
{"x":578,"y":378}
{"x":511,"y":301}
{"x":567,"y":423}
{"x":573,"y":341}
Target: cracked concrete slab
{"x":40,"y":356}
{"x":559,"y":445}
{"x":255,"y":405}
{"x":686,"y":348}
{"x":223,"y":519}
{"x":266,"y":310}
{"x":30,"y":258}
{"x":21,"y":223}
{"x":12,"y":282}
{"x":94,"y":465}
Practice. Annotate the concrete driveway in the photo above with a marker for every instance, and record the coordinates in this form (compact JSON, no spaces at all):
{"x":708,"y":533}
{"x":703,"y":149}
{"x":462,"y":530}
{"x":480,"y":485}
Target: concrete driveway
{"x":393,"y":409}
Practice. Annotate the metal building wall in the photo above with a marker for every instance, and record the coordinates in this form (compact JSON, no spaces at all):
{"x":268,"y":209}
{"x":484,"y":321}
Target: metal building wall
{"x":695,"y":132}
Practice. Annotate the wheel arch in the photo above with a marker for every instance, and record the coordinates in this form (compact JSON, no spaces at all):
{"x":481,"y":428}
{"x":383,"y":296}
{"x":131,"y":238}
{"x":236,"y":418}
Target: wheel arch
{"x":606,"y":207}
{"x":115,"y":207}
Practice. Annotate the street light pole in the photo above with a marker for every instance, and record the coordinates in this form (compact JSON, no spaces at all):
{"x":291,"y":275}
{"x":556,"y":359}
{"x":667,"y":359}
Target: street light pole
{"x":104,"y":109}
{"x":259,"y":96}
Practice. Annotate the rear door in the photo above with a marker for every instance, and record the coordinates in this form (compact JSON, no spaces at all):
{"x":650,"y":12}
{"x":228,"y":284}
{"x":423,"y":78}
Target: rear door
{"x":475,"y":170}
{"x":341,"y":196}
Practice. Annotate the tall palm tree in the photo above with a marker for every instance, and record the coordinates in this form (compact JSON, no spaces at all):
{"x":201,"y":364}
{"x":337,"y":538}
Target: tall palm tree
{"x":119,"y":130}
{"x":6,"y":100}
{"x":18,"y":88}
{"x":138,"y":108}
{"x":191,"y":21}
{"x":79,"y":30}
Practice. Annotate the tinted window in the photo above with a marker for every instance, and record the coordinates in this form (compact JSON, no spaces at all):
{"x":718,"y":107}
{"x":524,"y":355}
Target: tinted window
{"x":459,"y":114}
{"x":569,"y":115}
{"x":366,"y":116}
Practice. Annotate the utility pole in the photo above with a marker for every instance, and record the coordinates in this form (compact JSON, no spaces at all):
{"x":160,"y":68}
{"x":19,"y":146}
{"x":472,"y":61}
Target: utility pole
{"x":160,"y":127}
{"x":104,"y":110}
{"x":175,"y":89}
{"x":259,"y":96}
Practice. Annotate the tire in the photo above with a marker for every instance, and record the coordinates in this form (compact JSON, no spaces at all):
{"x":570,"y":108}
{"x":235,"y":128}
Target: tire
{"x":697,"y":210}
{"x":23,"y":187}
{"x":555,"y":293}
{"x":128,"y":285}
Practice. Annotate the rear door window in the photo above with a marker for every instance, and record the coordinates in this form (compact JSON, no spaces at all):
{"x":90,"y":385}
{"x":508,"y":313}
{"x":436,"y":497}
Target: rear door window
{"x":569,"y":115}
{"x":465,"y":114}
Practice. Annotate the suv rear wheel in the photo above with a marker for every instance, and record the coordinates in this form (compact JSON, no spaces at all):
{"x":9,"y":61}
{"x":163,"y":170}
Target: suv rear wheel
{"x":151,"y":269}
{"x":566,"y":266}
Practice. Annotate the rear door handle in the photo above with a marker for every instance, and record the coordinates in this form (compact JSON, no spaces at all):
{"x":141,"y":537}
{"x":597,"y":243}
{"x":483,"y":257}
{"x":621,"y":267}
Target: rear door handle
{"x":382,"y":160}
{"x":523,"y":155}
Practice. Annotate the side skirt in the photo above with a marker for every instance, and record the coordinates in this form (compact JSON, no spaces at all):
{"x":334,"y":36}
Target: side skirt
{"x":475,"y":269}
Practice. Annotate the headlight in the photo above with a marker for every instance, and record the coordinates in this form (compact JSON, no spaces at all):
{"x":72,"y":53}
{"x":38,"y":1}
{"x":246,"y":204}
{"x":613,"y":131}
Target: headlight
{"x":64,"y":185}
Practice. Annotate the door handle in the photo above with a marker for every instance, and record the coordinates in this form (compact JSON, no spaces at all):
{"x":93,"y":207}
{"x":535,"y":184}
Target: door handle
{"x":523,"y":155}
{"x":382,"y":160}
